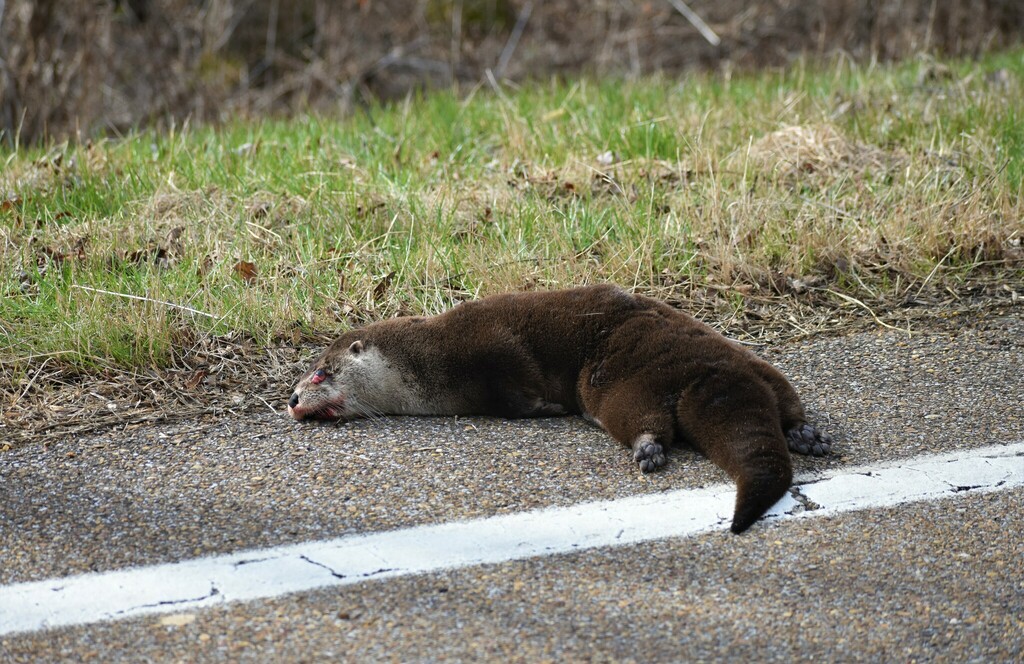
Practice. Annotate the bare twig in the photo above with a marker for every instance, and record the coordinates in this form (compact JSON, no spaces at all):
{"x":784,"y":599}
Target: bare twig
{"x":265,"y":402}
{"x":34,"y":377}
{"x":934,"y":270}
{"x":145,"y":299}
{"x":866,"y":308}
{"x":271,"y":45}
{"x":697,"y":22}
{"x":456,"y":45}
{"x":513,"y":39}
{"x":494,"y":86}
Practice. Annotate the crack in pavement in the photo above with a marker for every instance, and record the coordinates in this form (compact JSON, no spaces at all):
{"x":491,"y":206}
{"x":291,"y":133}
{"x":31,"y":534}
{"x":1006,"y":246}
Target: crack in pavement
{"x":171,"y":602}
{"x":333,"y":573}
{"x":339,"y":575}
{"x":252,"y":561}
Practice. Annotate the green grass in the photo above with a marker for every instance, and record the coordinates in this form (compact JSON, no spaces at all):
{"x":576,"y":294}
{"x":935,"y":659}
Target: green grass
{"x":908,"y":174}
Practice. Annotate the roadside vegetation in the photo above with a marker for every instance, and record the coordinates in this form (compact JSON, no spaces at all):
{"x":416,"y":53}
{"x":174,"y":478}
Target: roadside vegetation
{"x":194,"y":270}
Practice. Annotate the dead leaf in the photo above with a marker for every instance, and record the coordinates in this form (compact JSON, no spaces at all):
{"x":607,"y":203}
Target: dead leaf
{"x":139,"y":256}
{"x":174,"y":234}
{"x":55,"y":255}
{"x":10,"y":203}
{"x":205,"y":266}
{"x":381,"y":289}
{"x":246,"y":270}
{"x":194,"y":381}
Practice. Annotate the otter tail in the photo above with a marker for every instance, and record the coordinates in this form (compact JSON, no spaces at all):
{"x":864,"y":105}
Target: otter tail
{"x":735,"y":422}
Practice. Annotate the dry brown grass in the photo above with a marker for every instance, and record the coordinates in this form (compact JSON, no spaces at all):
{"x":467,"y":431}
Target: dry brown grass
{"x":801,"y":151}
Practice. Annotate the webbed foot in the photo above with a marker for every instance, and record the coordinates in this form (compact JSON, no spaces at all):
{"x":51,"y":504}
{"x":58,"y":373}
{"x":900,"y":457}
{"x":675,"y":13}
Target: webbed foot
{"x":648,"y":453}
{"x":807,"y":439}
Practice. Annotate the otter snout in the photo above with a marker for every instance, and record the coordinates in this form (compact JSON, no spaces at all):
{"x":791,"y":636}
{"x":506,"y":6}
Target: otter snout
{"x":293,"y":407}
{"x":306,"y":404}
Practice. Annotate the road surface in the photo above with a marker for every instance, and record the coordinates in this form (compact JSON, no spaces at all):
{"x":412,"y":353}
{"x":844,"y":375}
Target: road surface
{"x":930,"y":579}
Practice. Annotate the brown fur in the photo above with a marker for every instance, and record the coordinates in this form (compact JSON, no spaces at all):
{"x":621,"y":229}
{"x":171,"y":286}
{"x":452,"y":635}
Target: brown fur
{"x":649,"y":374}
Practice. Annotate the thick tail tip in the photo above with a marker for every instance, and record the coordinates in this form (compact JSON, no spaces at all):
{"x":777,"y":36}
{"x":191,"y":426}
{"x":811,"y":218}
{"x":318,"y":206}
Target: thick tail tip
{"x":755,"y":495}
{"x":740,"y":524}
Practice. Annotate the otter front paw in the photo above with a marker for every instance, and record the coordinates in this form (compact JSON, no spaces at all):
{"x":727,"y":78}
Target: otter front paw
{"x":806,"y":439}
{"x":648,"y":453}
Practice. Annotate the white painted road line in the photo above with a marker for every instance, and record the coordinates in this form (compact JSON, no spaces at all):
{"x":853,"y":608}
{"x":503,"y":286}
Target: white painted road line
{"x":264,"y":573}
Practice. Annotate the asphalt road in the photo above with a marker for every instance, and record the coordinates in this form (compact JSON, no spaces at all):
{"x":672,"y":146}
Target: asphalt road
{"x":926,"y":581}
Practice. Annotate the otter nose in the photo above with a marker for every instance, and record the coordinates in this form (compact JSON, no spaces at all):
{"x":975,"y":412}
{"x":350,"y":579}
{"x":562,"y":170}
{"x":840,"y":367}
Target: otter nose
{"x":294,"y":401}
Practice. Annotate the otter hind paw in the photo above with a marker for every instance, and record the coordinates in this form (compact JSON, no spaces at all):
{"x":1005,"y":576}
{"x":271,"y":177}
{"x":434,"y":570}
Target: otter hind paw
{"x":807,"y":439}
{"x":648,"y":453}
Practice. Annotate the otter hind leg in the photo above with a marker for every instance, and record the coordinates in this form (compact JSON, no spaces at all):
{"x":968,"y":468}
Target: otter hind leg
{"x":805,"y":438}
{"x":633,"y":416}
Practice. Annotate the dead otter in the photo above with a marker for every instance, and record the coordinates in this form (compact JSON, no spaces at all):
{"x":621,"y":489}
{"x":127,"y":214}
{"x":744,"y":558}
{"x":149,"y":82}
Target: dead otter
{"x":650,"y":375}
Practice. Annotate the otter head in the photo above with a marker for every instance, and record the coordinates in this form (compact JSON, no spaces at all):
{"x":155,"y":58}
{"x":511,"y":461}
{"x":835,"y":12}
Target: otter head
{"x":340,"y":384}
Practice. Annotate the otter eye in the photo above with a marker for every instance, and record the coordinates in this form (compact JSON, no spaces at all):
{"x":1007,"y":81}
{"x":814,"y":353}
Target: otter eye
{"x":318,"y":376}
